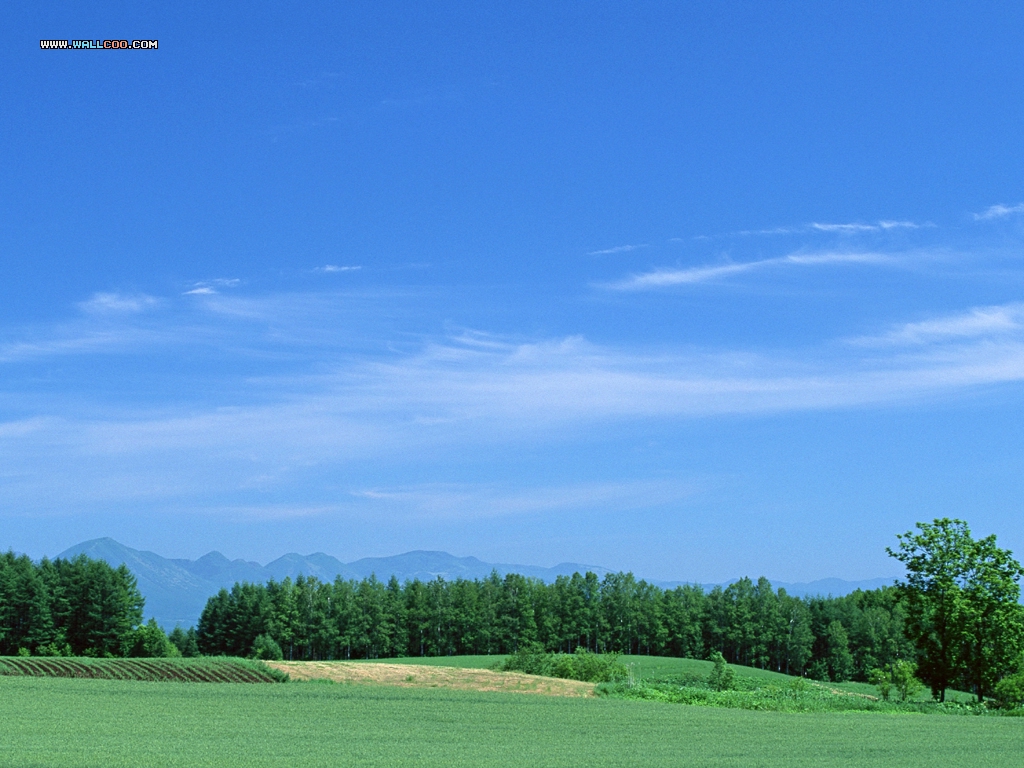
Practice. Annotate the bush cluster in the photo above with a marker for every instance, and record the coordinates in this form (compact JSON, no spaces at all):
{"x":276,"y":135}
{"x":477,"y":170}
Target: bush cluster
{"x":1009,"y":692}
{"x":899,"y":677}
{"x":581,"y":665}
{"x":797,"y":696}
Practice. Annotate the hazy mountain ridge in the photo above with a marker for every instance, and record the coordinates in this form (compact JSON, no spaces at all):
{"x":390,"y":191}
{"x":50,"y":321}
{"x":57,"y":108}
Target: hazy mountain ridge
{"x":176,"y":590}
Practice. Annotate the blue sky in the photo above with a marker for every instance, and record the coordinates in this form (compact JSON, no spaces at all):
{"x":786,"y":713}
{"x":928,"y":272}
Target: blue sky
{"x":696,"y":290}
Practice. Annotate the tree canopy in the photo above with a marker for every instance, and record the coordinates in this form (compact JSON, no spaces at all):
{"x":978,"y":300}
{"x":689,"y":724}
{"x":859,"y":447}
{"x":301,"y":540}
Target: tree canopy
{"x":962,"y":604}
{"x":747,"y":622}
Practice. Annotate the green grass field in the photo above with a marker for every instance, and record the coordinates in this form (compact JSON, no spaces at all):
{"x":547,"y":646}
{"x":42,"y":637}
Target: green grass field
{"x":69,"y":722}
{"x":659,"y":667}
{"x":665,"y":667}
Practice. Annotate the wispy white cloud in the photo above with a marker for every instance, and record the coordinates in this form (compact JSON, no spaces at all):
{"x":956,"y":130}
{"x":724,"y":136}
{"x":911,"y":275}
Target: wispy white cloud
{"x":999,"y":212}
{"x":335,"y":403}
{"x":336,"y":268}
{"x":663,"y":278}
{"x":617,"y":249}
{"x":208,"y":287}
{"x":251,"y":513}
{"x":851,"y":228}
{"x":899,"y":225}
{"x":456,"y":397}
{"x":480,"y":500}
{"x":76,"y":340}
{"x":23,"y":427}
{"x":846,"y":229}
{"x":103,"y":303}
{"x":267,"y":325}
{"x":771,"y":231}
{"x":993,"y":321}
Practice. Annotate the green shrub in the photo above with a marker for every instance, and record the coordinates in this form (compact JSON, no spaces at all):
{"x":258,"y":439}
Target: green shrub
{"x":721,"y":677}
{"x":588,"y":667}
{"x":903,"y":677}
{"x":266,"y":648}
{"x":819,"y":671}
{"x":58,"y":647}
{"x":1009,"y":692}
{"x":881,"y":679}
{"x":581,"y":665}
{"x":899,"y":676}
{"x":149,"y":641}
{"x":530,"y":660}
{"x":185,"y":642}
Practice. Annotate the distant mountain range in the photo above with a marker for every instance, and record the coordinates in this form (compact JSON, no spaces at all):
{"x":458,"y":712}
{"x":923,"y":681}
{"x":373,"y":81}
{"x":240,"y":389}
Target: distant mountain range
{"x":176,"y":590}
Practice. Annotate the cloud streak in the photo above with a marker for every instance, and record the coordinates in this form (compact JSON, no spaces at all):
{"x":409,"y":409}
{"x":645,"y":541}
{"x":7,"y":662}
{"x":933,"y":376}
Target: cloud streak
{"x":463,"y":393}
{"x":664,"y":278}
{"x":617,"y":249}
{"x":462,"y":501}
{"x":852,"y":229}
{"x":995,"y":321}
{"x":107,"y":303}
{"x":209,"y":287}
{"x":329,"y":268}
{"x":999,"y":212}
{"x":300,"y":434}
{"x":333,"y":401}
{"x":849,"y":228}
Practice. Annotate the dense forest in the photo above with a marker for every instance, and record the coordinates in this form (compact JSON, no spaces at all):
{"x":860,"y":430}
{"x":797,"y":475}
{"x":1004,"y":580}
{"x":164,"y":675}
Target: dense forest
{"x":749,"y":622}
{"x":79,"y":607}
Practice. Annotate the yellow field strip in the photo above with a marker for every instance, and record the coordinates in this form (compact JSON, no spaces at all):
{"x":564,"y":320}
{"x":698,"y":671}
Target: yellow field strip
{"x":413,"y":676}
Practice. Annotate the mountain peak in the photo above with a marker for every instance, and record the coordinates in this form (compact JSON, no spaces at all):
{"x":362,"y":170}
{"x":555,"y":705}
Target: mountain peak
{"x":213,"y":557}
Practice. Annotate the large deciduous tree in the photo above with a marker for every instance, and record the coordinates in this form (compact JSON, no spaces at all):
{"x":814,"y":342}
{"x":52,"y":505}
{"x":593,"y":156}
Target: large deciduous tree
{"x":962,"y":605}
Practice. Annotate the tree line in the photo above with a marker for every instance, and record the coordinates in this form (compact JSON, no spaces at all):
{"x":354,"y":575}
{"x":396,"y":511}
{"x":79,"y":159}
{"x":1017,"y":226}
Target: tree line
{"x":749,"y":622}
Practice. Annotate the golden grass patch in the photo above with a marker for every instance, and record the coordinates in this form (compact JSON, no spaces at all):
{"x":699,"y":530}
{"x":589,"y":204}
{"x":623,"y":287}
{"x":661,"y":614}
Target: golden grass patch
{"x":412,"y":676}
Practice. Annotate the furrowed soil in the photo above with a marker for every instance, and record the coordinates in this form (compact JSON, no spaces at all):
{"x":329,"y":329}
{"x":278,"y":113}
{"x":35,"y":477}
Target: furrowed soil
{"x":417,"y":676}
{"x":201,"y":670}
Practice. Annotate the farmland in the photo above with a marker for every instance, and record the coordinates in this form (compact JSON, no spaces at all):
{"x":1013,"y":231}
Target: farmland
{"x":215,"y":670}
{"x":70,"y":722}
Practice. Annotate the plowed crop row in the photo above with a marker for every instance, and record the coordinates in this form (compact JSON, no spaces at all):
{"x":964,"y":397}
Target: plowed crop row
{"x":180,"y":670}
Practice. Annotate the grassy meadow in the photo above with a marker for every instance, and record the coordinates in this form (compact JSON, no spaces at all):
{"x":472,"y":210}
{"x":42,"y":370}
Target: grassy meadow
{"x":670,"y":668}
{"x":74,"y":722}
